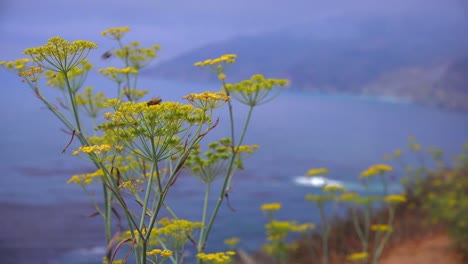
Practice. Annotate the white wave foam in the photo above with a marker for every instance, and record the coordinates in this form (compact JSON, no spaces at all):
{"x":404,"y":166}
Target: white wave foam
{"x":316,"y":181}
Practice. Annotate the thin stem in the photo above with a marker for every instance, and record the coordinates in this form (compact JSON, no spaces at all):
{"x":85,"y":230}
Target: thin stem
{"x":228,"y":175}
{"x":358,"y":229}
{"x":325,"y":232}
{"x":108,"y":213}
{"x":72,"y":99}
{"x":387,"y":234}
{"x":147,"y":195}
{"x":205,"y":208}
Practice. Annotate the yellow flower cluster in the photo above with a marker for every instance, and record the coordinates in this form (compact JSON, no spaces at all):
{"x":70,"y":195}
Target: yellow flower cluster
{"x":216,"y":258}
{"x":317,"y":172}
{"x":31,"y":74}
{"x":231,"y":242}
{"x":137,"y":56}
{"x":381,"y":228}
{"x":374,"y":170}
{"x":134,"y":94}
{"x":395,"y":198}
{"x":256,"y":90}
{"x":176,"y":228}
{"x":334,"y":188}
{"x":17,"y":65}
{"x":87,"y":178}
{"x":59,"y":54}
{"x":278,"y":230}
{"x":207,"y":100}
{"x":211,"y":165}
{"x":115,"y":33}
{"x":226,"y":58}
{"x":164,"y":120}
{"x":250,"y":149}
{"x":132,"y":185}
{"x":117,"y":74}
{"x":270,"y":207}
{"x":92,"y":103}
{"x":96,"y":149}
{"x":165,"y":253}
{"x":302,"y":227}
{"x":358,"y":256}
{"x":348,"y":196}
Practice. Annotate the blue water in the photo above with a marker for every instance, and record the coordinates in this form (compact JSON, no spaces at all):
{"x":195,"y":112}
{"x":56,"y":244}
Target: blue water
{"x":296,"y":132}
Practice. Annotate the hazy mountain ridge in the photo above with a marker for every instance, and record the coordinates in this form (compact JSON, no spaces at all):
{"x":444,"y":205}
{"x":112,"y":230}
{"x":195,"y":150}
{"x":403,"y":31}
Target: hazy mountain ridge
{"x":427,"y":63}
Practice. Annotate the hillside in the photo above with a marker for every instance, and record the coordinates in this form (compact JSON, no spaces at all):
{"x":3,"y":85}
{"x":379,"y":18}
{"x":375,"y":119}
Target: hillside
{"x":414,"y":59}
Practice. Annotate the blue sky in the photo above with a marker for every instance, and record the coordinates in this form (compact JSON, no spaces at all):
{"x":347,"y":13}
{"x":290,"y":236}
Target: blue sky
{"x":180,"y":25}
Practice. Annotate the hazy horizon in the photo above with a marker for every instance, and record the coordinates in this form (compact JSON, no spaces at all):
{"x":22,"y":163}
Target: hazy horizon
{"x":179,"y":26}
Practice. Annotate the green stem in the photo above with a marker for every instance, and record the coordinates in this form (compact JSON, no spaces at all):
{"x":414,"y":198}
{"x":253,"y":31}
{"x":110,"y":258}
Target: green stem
{"x":107,"y":196}
{"x":205,"y":209}
{"x":367,"y":216}
{"x":325,"y":232}
{"x":228,"y":175}
{"x":107,"y":213}
{"x":358,"y":229}
{"x":72,"y":99}
{"x":147,"y":195}
{"x":387,"y":234}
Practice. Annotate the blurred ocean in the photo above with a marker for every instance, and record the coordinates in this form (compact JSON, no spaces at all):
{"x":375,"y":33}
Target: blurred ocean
{"x":42,"y":217}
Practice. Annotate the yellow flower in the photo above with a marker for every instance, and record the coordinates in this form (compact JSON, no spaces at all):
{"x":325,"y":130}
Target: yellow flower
{"x":60,"y":55}
{"x":247,"y":148}
{"x":333,"y":188}
{"x":218,"y":258}
{"x":207,"y":100}
{"x":302,"y":227}
{"x":31,"y":74}
{"x":381,"y":228}
{"x":87,"y":178}
{"x":317,"y":172}
{"x":374,"y":170}
{"x":163,"y":253}
{"x":222,"y":76}
{"x":226,"y":58}
{"x":232,"y":242}
{"x":154,"y":252}
{"x":271,"y":207}
{"x":74,"y":179}
{"x":166,"y":253}
{"x":16,"y":65}
{"x":117,"y":75}
{"x":108,"y":115}
{"x":358,"y":256}
{"x":256,"y":90}
{"x":395,"y":198}
{"x":348,"y":196}
{"x":96,"y":149}
{"x":116,"y":33}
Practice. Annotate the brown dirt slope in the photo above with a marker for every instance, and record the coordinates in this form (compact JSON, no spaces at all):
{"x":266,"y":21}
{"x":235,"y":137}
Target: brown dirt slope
{"x":434,"y":248}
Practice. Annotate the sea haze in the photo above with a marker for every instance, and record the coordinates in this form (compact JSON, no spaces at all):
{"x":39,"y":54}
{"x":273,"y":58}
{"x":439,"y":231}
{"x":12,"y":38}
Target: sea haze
{"x":297,"y":131}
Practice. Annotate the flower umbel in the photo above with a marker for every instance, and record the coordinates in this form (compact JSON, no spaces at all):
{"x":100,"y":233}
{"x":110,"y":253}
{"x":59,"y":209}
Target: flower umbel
{"x":256,"y":90}
{"x":59,"y":54}
{"x":271,"y":207}
{"x":207,"y":100}
{"x":317,"y":172}
{"x":116,"y":32}
{"x":358,"y":256}
{"x":374,"y":170}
